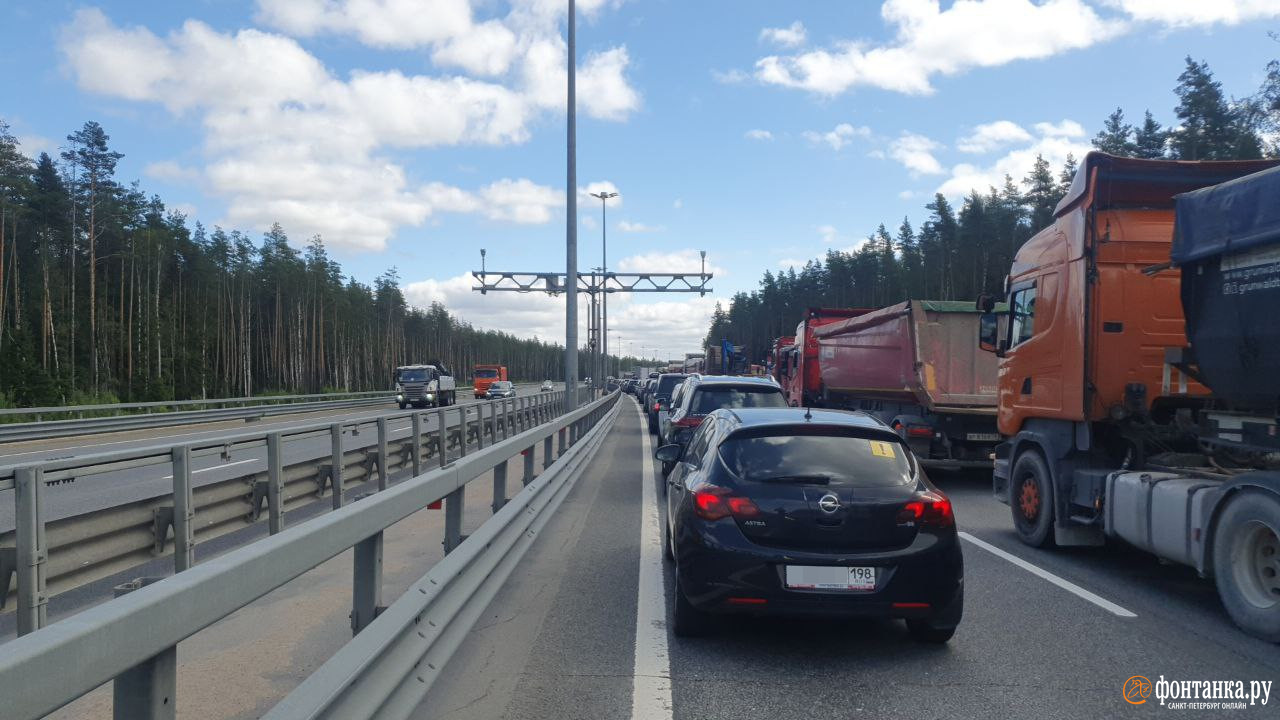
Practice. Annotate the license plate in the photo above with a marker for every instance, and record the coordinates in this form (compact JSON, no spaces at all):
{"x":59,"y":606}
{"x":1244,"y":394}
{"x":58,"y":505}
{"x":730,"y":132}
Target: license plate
{"x":982,"y":437}
{"x":813,"y":577}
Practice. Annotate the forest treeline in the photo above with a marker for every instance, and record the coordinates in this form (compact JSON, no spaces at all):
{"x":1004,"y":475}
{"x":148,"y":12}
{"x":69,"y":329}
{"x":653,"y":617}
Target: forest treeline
{"x":106,"y":295}
{"x":959,"y":253}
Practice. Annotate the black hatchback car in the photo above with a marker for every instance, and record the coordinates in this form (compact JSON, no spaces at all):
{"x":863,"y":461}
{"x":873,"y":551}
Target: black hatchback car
{"x":808,"y":512}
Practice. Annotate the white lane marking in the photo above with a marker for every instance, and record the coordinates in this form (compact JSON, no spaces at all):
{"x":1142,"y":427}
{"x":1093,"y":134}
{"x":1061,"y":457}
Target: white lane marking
{"x":1067,"y":585}
{"x":217,"y":467}
{"x":651,"y":685}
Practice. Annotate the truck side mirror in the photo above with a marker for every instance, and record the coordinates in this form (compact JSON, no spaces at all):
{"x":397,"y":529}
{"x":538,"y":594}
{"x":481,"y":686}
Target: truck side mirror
{"x":986,"y":303}
{"x":988,"y":332}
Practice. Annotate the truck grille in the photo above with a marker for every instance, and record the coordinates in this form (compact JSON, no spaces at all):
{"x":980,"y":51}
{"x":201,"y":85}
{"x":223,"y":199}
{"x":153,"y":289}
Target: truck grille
{"x":414,"y":391}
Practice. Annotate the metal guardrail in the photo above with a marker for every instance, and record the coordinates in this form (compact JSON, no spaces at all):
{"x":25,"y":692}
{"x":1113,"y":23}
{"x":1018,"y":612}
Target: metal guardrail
{"x":51,"y":556}
{"x":392,"y":660}
{"x":40,"y":412}
{"x":14,"y":432}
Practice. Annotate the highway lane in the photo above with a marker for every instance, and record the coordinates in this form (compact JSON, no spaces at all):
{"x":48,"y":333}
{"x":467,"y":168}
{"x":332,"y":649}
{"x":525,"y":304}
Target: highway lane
{"x":565,"y":638}
{"x":92,"y":492}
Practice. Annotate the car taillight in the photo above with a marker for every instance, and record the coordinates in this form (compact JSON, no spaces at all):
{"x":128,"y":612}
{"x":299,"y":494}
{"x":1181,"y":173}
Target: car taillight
{"x":919,"y":431}
{"x":713,"y":503}
{"x":657,"y":406}
{"x":689,"y":421}
{"x":928,"y":509}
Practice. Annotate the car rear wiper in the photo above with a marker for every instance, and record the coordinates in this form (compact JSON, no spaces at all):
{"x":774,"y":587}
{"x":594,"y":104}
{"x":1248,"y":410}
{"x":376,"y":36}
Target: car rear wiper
{"x":805,"y":479}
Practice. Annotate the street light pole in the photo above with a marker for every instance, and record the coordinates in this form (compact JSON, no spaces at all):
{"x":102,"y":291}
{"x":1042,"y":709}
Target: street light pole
{"x":604,"y":272}
{"x":571,"y":229}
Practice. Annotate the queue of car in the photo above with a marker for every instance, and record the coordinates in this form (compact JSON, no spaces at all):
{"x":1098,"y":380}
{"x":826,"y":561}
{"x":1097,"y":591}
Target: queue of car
{"x":774,"y":510}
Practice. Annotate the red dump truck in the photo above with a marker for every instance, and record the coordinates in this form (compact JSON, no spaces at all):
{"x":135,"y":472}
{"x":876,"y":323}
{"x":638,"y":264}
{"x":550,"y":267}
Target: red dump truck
{"x":797,"y":369}
{"x":916,"y":366}
{"x":486,"y":375}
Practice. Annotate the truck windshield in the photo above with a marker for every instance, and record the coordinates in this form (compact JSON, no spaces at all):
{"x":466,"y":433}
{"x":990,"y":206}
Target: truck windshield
{"x":486,"y":374}
{"x":417,"y":375}
{"x":837,"y":458}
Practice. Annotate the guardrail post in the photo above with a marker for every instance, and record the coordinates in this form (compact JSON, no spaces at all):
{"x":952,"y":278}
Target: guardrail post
{"x":275,"y":485}
{"x":148,"y":690}
{"x":382,"y":453}
{"x":31,"y":551}
{"x":416,"y":447}
{"x":462,"y":430}
{"x":499,"y":486}
{"x":335,"y":468}
{"x":453,"y":503}
{"x":546,"y":452}
{"x":560,"y":443}
{"x":184,"y":511}
{"x":480,"y":424}
{"x":442,"y":437}
{"x":366,"y":582}
{"x":528,"y":464}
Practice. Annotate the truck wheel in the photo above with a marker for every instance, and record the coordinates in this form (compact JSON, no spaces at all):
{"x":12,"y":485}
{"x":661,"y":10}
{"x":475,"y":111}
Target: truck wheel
{"x":403,"y":405}
{"x":1031,"y":499}
{"x":1246,"y":562}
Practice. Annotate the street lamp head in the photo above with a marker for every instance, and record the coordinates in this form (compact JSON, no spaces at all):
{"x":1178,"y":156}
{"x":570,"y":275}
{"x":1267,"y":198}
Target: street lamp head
{"x":604,"y":195}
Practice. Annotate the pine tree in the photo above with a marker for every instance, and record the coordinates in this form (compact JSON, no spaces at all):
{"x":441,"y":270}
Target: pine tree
{"x":1041,"y":194}
{"x":1116,"y":136}
{"x":1211,"y":129}
{"x":1150,"y":139}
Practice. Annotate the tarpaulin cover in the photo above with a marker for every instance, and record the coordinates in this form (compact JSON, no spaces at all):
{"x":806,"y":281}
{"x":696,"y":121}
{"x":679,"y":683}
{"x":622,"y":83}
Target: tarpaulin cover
{"x":1228,"y":218}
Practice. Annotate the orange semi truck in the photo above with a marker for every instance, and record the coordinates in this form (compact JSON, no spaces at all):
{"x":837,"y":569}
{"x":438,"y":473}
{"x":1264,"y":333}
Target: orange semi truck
{"x":486,"y":375}
{"x":1120,"y":418}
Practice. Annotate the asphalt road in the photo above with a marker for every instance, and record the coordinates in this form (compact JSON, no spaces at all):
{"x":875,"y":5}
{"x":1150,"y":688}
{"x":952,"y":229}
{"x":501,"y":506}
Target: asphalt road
{"x":93,"y":492}
{"x":580,"y":630}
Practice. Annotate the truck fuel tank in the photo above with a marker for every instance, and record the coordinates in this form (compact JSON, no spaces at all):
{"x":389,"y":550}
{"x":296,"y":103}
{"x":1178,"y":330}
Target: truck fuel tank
{"x":1159,"y":512}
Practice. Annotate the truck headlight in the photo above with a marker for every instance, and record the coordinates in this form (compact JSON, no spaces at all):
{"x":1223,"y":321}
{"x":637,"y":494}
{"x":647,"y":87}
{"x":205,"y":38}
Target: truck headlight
{"x":399,"y":398}
{"x":431,"y":396}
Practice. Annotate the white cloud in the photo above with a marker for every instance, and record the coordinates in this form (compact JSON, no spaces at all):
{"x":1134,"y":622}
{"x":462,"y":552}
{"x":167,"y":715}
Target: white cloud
{"x":839,"y":136}
{"x":521,"y":201}
{"x":829,"y":234}
{"x":1054,"y":142}
{"x":992,"y":136}
{"x":627,"y":226}
{"x":791,"y":36}
{"x":915,"y":152}
{"x":906,"y":194}
{"x":186,"y":209}
{"x":931,"y":41}
{"x":758,"y":135}
{"x":172,"y":172}
{"x":730,"y":77}
{"x":1188,"y":13}
{"x":679,"y":203}
{"x":33,"y":145}
{"x":787,"y":263}
{"x":313,"y":151}
{"x":680,"y":261}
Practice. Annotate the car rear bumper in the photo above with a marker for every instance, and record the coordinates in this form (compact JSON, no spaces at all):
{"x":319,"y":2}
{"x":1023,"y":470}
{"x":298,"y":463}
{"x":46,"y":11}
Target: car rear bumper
{"x":726,"y":574}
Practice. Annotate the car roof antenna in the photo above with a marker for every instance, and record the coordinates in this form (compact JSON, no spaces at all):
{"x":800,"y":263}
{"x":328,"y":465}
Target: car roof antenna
{"x":807,"y":415}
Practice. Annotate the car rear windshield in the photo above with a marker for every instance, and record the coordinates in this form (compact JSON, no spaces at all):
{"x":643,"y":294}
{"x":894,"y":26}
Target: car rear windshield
{"x":707,"y":399}
{"x":667,"y":383}
{"x":817,"y":455}
{"x":486,"y":373}
{"x":501,"y":385}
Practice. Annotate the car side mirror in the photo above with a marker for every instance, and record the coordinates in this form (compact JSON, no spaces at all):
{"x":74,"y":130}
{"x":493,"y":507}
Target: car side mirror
{"x":988,"y":332}
{"x":669,"y":453}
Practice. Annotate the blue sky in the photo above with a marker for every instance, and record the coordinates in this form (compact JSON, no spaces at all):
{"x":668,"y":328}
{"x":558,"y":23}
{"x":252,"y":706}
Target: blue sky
{"x":762,"y":132}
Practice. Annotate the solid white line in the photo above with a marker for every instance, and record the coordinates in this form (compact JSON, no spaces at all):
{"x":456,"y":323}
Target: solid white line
{"x":651,"y":686}
{"x":1045,"y":574}
{"x":217,"y":467}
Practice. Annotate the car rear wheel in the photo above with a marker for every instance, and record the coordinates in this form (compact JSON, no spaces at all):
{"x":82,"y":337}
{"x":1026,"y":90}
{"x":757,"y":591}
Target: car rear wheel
{"x":1246,"y":562}
{"x":1031,"y":499}
{"x":686,"y":620}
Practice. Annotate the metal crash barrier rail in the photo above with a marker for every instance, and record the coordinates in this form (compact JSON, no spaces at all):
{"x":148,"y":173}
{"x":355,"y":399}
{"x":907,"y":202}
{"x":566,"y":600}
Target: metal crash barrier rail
{"x":393,"y":659}
{"x":290,"y":468}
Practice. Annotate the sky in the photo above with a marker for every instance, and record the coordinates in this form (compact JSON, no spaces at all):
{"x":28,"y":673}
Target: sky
{"x":413,"y":133}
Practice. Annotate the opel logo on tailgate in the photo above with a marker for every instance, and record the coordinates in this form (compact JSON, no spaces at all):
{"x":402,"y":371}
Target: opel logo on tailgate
{"x":829,"y":503}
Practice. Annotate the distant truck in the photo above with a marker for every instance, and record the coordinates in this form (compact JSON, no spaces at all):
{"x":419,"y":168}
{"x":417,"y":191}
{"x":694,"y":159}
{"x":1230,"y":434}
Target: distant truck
{"x":424,"y":386}
{"x":725,"y":359}
{"x":1139,"y":377}
{"x":486,"y":375}
{"x":797,"y":366}
{"x":917,"y":367}
{"x":694,"y":363}
{"x":777,"y":356}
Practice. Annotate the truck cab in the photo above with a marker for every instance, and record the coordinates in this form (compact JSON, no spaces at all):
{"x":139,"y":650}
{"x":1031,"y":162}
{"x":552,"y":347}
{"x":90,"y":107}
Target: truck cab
{"x":484,"y":376}
{"x":1093,"y":307}
{"x":424,"y":386}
